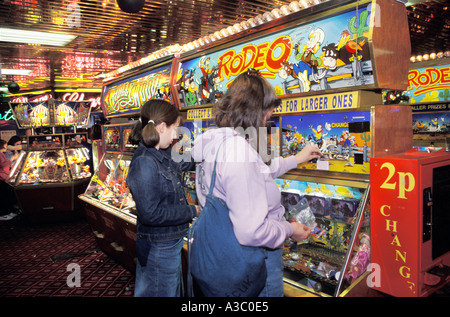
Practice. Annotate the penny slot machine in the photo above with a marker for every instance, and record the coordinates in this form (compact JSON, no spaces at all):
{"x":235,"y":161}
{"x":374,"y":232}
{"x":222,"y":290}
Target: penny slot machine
{"x":333,"y":101}
{"x":52,"y":169}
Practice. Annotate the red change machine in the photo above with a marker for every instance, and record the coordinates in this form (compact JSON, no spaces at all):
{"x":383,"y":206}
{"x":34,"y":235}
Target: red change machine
{"x":410,"y":222}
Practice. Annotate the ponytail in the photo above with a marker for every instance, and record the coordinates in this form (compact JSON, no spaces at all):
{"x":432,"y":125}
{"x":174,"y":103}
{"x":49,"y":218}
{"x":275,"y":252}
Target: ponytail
{"x":135,"y":135}
{"x":150,"y":136}
{"x":153,"y":112}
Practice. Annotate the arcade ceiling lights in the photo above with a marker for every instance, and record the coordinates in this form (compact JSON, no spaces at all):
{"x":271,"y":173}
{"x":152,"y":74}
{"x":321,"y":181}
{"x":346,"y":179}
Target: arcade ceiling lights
{"x":431,"y":56}
{"x":35,"y":37}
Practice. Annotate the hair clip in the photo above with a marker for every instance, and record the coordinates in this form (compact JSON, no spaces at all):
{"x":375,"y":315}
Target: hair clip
{"x":151,"y":121}
{"x":253,"y":72}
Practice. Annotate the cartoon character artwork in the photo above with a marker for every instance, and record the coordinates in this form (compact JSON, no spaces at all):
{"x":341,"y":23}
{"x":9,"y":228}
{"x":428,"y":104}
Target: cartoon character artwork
{"x":330,"y":56}
{"x":198,"y":85}
{"x":207,"y":87}
{"x":190,"y":130}
{"x":308,"y":63}
{"x":112,"y":136}
{"x":437,"y":122}
{"x":328,"y":59}
{"x":325,"y":54}
{"x":331,"y":132}
{"x":318,"y":134}
{"x":186,"y":88}
{"x":292,"y":140}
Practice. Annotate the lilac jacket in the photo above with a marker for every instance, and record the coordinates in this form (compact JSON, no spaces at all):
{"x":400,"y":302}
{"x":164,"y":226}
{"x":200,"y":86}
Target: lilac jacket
{"x":246,"y":184}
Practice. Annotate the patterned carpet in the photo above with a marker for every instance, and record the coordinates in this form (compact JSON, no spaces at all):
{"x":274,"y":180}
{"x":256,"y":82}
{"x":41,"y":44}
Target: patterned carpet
{"x":44,"y":260}
{"x":36,"y":261}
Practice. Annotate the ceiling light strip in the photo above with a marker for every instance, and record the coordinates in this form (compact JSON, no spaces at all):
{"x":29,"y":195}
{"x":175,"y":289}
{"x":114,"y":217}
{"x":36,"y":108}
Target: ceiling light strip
{"x":35,"y":37}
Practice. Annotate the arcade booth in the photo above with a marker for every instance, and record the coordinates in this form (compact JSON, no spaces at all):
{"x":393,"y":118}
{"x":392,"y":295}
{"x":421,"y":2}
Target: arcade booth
{"x":328,"y":66}
{"x":52,"y":169}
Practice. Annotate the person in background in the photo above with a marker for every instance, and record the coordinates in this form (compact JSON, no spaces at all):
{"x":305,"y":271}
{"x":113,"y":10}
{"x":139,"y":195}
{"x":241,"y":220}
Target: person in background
{"x":245,"y":180}
{"x":163,"y":214}
{"x":38,"y":131}
{"x":86,"y":142}
{"x":13,"y":148}
{"x":6,"y":192}
{"x":88,"y":145}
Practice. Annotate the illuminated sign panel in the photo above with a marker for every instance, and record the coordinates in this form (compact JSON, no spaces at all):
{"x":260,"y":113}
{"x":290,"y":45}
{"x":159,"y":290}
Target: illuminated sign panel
{"x":429,"y":84}
{"x":330,"y":53}
{"x":47,"y":114}
{"x":127,"y":96}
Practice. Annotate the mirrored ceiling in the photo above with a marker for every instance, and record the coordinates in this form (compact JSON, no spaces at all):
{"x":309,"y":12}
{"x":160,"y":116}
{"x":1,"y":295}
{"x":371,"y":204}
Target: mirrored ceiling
{"x":108,"y":38}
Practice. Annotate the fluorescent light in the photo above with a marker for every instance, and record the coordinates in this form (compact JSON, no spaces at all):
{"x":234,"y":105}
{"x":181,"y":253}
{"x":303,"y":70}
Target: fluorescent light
{"x":79,"y":90}
{"x":35,"y":37}
{"x":19,"y":72}
{"x":40,"y":92}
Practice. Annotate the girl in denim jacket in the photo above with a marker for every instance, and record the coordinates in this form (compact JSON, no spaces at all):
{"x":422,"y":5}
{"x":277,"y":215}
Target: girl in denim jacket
{"x":163,"y":214}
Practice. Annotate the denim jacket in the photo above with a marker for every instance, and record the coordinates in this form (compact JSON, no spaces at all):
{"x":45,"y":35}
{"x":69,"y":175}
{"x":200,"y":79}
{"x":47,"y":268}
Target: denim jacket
{"x":155,"y":183}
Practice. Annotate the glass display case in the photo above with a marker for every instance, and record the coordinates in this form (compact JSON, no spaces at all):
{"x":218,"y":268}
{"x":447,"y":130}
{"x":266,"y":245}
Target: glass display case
{"x":107,"y":201}
{"x":50,"y":173}
{"x":341,"y":219}
{"x":55,"y":158}
{"x":108,"y":186}
{"x":45,"y":167}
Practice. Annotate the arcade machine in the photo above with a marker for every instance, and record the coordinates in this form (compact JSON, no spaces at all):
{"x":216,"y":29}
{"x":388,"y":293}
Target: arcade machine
{"x":410,"y":218}
{"x":52,"y":169}
{"x":336,"y":189}
{"x":107,"y":202}
{"x":328,"y":65}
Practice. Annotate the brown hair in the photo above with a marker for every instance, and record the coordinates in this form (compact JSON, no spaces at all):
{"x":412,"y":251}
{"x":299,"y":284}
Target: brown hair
{"x":153,"y":112}
{"x":246,"y":102}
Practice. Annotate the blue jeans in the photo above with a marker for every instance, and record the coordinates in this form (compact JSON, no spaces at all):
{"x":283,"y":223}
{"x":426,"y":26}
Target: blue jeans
{"x":161,"y":275}
{"x":274,"y":283}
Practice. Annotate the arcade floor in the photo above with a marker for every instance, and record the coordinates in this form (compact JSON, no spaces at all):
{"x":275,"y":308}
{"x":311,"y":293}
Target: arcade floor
{"x":38,"y":259}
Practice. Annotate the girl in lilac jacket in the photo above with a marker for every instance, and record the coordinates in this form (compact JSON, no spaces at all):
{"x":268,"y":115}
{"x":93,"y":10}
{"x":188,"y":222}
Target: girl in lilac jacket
{"x":245,"y":177}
